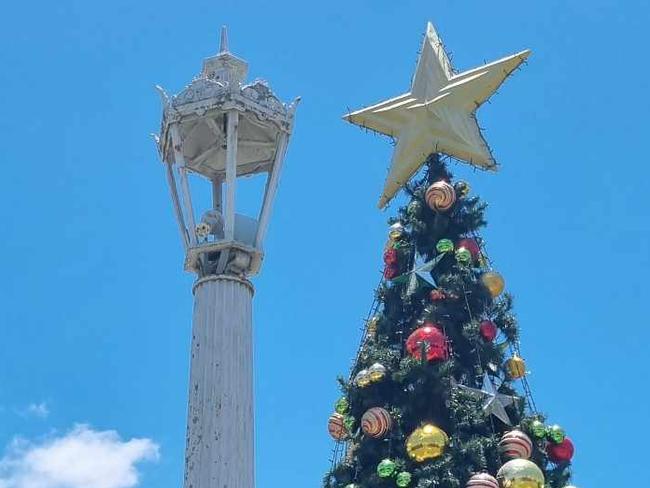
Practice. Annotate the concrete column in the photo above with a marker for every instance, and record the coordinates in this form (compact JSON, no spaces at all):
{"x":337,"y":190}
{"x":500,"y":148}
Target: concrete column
{"x":219,"y":450}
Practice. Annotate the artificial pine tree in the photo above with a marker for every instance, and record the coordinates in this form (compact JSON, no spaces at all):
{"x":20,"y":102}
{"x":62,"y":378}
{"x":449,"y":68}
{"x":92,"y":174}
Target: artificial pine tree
{"x":439,"y":337}
{"x":438,"y":396}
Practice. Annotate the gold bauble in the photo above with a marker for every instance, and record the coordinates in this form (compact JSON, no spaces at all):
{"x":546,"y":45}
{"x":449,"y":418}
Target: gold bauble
{"x":362,"y":379}
{"x":520,"y":473}
{"x":494,"y":282}
{"x":371,"y":326}
{"x":516,"y":367}
{"x":426,"y":442}
{"x":396,"y":231}
{"x":376,"y":372}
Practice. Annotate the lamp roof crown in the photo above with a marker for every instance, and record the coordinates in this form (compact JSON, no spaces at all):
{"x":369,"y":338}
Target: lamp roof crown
{"x":199,"y":113}
{"x":225,"y":67}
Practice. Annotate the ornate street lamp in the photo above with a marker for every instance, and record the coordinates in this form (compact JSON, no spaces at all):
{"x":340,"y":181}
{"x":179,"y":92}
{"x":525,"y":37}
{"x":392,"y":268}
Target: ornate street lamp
{"x":222,"y":129}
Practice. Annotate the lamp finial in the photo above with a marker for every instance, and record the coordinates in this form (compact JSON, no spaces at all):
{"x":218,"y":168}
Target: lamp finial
{"x":223,"y":45}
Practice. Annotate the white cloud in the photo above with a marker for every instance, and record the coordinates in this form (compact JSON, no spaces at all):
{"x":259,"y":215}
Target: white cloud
{"x":40,"y":410}
{"x":82,"y":458}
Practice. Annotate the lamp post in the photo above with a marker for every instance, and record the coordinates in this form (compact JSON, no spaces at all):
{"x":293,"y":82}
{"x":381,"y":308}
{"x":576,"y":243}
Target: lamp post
{"x":221,"y":129}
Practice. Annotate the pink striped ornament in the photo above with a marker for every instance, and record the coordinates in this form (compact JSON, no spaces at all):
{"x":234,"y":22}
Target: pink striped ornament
{"x":376,"y":422}
{"x":482,"y":480}
{"x":440,"y":196}
{"x":336,"y":426}
{"x":515,"y":445}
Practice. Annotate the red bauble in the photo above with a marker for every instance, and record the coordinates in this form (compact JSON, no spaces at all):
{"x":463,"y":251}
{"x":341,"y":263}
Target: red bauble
{"x":436,"y":344}
{"x":560,"y":453}
{"x":437,"y":295}
{"x":471,"y":245}
{"x":488,"y":330}
{"x":390,"y":257}
{"x":391,"y":272}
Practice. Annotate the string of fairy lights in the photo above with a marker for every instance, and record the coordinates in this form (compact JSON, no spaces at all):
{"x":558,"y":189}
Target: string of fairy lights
{"x":340,"y":446}
{"x":515,"y":346}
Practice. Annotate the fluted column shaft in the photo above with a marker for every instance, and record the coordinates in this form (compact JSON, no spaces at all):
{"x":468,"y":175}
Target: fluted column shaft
{"x":219,"y":450}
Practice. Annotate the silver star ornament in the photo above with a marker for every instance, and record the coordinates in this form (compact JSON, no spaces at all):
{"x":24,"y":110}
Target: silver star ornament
{"x":495,"y":402}
{"x":422,"y":270}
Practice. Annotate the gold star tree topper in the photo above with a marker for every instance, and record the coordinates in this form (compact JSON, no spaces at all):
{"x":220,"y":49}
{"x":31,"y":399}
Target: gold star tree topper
{"x":438,"y":114}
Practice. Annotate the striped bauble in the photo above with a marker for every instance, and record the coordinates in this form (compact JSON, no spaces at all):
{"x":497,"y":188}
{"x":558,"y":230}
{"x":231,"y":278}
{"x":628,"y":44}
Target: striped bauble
{"x":482,"y":480}
{"x":440,"y":196}
{"x":376,"y":422}
{"x":515,"y":445}
{"x":336,"y":426}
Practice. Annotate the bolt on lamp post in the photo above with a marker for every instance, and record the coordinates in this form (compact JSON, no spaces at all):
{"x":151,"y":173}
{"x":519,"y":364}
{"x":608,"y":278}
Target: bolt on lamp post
{"x":222,"y":129}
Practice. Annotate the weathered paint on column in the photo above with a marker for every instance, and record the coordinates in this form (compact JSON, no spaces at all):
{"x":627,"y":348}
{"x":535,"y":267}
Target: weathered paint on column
{"x":219,"y":451}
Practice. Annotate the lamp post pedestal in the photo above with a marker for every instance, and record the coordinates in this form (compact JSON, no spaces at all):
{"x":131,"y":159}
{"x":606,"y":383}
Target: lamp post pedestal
{"x":220,"y":439}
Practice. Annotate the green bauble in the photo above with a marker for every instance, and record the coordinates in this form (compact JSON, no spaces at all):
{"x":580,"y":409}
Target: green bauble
{"x":349,"y":421}
{"x":414,"y":209}
{"x":538,"y":429}
{"x":342,"y":405}
{"x":463,"y":256}
{"x":403,"y":479}
{"x":444,"y":245}
{"x":555,"y":433}
{"x":386,"y":468}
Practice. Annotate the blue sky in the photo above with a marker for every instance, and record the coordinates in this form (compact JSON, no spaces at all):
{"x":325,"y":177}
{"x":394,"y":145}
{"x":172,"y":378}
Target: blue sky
{"x":95,"y":309}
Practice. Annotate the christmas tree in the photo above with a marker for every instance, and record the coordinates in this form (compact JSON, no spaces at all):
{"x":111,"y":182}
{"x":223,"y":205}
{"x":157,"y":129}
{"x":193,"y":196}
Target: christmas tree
{"x":438,"y":396}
